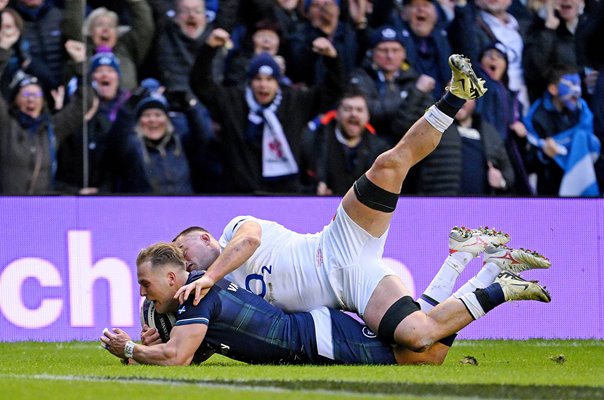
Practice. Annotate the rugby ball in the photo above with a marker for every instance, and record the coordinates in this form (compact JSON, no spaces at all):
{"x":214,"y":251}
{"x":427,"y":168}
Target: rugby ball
{"x":162,"y":322}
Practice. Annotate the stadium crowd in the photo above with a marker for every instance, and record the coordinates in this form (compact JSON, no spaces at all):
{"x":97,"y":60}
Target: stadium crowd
{"x":176,"y":97}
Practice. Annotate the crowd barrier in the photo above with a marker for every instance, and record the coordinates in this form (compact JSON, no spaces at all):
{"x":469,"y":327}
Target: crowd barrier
{"x":67,"y":264}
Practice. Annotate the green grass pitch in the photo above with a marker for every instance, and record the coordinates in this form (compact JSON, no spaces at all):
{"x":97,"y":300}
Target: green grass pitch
{"x":533,"y":369}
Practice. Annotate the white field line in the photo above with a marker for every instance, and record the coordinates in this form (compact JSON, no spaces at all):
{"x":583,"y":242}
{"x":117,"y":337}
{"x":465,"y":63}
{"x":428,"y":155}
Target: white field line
{"x":205,"y":384}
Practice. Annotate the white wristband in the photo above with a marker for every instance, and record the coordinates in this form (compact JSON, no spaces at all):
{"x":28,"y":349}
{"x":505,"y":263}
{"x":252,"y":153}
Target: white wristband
{"x":129,"y":349}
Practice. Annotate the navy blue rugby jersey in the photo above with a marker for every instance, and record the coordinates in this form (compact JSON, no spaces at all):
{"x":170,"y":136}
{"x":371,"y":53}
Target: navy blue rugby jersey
{"x":244,"y":327}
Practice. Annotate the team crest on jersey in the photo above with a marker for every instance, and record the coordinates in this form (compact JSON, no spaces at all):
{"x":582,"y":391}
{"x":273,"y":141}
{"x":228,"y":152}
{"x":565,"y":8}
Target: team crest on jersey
{"x":368,"y":333}
{"x":319,"y":258}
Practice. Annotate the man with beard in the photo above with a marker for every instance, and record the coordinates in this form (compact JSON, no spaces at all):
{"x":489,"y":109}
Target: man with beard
{"x":340,"y":147}
{"x":397,"y":95}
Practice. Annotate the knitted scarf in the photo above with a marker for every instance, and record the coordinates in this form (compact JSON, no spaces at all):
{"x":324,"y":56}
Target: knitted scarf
{"x":277,"y":157}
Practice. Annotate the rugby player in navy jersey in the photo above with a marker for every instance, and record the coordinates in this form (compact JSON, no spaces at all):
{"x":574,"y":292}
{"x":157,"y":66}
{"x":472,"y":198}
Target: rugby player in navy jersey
{"x":241,"y":325}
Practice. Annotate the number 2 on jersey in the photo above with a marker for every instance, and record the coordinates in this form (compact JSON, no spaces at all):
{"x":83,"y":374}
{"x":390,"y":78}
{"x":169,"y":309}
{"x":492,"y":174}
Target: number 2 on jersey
{"x":258,"y":277}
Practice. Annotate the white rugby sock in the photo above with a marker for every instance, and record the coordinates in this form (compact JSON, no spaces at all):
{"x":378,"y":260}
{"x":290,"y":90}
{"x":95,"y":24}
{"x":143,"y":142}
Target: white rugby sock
{"x":481,"y":301}
{"x":481,"y":280}
{"x":442,"y":285}
{"x":472,"y":304}
{"x":438,"y":119}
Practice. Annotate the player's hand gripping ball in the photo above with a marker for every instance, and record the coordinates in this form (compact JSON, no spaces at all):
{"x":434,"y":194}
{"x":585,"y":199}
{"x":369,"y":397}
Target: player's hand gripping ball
{"x":163,"y":323}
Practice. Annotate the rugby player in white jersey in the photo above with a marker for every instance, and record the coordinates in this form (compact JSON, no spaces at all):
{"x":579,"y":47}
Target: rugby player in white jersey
{"x":341,"y":266}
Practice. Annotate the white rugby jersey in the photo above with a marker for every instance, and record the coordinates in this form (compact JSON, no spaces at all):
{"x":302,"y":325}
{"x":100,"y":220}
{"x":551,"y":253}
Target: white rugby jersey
{"x":287,"y":269}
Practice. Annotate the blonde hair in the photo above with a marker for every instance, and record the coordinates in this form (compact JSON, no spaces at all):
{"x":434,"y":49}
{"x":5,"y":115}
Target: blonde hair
{"x":88,"y":24}
{"x":160,"y":254}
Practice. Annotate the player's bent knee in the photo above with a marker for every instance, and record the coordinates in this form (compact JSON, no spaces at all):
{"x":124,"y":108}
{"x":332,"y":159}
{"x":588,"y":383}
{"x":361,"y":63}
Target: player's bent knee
{"x":397,"y":312}
{"x":418,"y":343}
{"x":374,"y":196}
{"x":399,"y":160}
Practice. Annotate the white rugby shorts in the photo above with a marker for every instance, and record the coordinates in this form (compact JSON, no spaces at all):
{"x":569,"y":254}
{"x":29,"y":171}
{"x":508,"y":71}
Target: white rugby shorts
{"x":353,"y":261}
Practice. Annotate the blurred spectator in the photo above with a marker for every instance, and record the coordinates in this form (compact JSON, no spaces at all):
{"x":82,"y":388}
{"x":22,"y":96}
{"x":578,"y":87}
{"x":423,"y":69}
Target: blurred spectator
{"x":339,"y":147}
{"x":552,"y":41}
{"x":203,"y":148}
{"x":105,"y":72}
{"x":396,"y":94}
{"x":219,"y":13}
{"x":598,"y":110}
{"x":496,"y":24}
{"x":323,"y":20}
{"x":43,"y":26}
{"x":288,"y":17}
{"x":178,"y":44}
{"x":562,"y":140}
{"x":262,"y":125}
{"x":523,"y":11}
{"x":486,"y":167}
{"x":288,"y":14}
{"x":265,"y":38}
{"x":470,"y":160}
{"x":73,"y":12}
{"x":427,"y":41}
{"x":148,"y":153}
{"x":130,"y":44}
{"x":500,"y":108}
{"x":20,"y":59}
{"x":73,"y":176}
{"x":595,"y":58}
{"x":30,"y":133}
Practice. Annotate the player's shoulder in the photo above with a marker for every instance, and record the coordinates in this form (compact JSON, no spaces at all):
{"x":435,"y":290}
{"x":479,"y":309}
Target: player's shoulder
{"x":222,"y":284}
{"x":237,"y":222}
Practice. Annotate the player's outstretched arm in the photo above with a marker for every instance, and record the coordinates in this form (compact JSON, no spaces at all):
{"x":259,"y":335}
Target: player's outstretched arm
{"x":241,"y":247}
{"x":179,"y":350}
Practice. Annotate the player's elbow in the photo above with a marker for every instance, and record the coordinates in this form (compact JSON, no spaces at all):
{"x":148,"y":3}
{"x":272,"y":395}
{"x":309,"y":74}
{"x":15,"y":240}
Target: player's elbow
{"x":252,"y":241}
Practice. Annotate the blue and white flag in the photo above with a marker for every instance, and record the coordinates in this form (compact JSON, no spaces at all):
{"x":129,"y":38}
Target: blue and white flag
{"x":578,"y":150}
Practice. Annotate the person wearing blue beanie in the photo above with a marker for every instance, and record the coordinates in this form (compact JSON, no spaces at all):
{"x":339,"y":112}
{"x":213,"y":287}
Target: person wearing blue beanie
{"x":264,"y":64}
{"x":105,"y":77}
{"x":154,"y":100}
{"x":385,"y":34}
{"x":105,"y":58}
